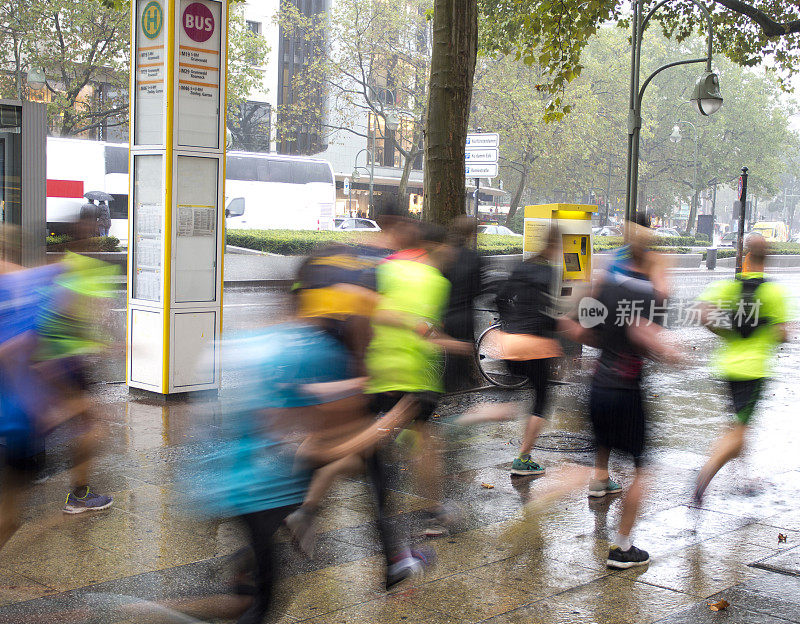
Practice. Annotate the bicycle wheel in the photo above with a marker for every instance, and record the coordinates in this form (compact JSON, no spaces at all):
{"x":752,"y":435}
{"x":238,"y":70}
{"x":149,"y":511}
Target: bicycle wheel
{"x":495,"y":371}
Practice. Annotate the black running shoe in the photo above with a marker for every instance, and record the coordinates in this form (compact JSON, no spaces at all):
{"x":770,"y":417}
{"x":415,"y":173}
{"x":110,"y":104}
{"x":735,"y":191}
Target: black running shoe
{"x":623,"y":559}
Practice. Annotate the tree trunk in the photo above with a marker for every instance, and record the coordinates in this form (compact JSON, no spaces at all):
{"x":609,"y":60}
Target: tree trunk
{"x":692,"y":214}
{"x":512,"y":208}
{"x":408,"y":164}
{"x":455,"y":49}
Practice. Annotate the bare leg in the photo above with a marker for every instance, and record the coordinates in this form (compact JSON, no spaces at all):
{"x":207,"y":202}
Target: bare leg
{"x":532,"y":431}
{"x":631,"y":503}
{"x":729,"y":446}
{"x":601,"y":464}
{"x":10,"y":503}
{"x":326,"y":476}
{"x":429,"y":464}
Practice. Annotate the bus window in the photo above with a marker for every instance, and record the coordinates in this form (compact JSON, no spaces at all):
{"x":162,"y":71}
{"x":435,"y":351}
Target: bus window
{"x":241,"y":168}
{"x":119,"y":206}
{"x":116,"y":159}
{"x":280,"y":171}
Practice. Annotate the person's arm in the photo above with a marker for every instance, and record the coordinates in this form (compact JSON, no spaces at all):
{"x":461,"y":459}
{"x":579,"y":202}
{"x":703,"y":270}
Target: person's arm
{"x":574,"y":331}
{"x":377,"y":431}
{"x":650,"y":338}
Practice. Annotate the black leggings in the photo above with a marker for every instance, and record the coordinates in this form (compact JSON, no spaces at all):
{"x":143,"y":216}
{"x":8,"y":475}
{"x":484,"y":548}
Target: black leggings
{"x":261,"y":527}
{"x":538,"y":374}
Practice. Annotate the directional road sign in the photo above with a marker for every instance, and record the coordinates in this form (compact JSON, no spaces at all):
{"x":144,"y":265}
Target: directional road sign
{"x":488,"y":170}
{"x":346,"y":185}
{"x":481,"y":156}
{"x":483,"y":139}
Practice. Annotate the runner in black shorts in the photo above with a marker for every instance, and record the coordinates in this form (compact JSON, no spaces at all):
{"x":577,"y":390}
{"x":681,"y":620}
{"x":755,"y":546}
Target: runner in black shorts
{"x":625,"y":337}
{"x":757,"y":313}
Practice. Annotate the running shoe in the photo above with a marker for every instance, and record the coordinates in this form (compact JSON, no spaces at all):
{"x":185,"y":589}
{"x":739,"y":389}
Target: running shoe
{"x":624,"y":559}
{"x":523,"y":466}
{"x":411,"y":564}
{"x":439,"y":522}
{"x":302,"y":524}
{"x":88,"y":502}
{"x":598,"y":488}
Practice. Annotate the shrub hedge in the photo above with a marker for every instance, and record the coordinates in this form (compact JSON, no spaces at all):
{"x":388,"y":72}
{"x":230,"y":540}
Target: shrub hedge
{"x":303,"y":242}
{"x":99,"y":243}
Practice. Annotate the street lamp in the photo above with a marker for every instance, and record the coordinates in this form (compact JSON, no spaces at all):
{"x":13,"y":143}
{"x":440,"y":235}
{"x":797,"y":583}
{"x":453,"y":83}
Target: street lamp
{"x":36,"y":78}
{"x":706,"y":97}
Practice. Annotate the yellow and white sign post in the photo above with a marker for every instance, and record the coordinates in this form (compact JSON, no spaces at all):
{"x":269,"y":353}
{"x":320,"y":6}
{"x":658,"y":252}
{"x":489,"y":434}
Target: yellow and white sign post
{"x":177,"y":152}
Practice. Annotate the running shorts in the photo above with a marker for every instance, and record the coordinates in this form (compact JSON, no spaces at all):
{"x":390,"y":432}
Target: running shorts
{"x":745,"y":394}
{"x":619,"y":420}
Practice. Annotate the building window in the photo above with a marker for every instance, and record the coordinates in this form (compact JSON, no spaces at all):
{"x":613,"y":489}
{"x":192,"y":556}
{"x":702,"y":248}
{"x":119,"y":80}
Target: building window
{"x":250,"y":124}
{"x":254,"y":27}
{"x":299,"y":133}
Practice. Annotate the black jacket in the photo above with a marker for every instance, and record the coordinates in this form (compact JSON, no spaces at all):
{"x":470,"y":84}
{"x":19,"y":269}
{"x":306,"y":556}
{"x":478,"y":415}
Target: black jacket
{"x":525,"y":299}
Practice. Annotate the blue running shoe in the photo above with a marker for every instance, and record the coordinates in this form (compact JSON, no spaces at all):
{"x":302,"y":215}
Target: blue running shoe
{"x":88,"y":502}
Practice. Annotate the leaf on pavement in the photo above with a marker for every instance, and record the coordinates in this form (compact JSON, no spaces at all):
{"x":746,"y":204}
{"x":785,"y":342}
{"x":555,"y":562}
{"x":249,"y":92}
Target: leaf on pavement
{"x":781,"y":538}
{"x":719,"y":606}
{"x":488,"y":486}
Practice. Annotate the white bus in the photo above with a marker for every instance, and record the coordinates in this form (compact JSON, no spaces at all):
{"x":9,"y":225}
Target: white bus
{"x":262,"y":191}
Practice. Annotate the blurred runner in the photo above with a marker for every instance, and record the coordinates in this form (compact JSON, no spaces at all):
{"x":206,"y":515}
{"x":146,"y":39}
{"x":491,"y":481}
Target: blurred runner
{"x":405,"y":355}
{"x":526,"y":306}
{"x":616,"y":408}
{"x":464,"y":275}
{"x":71,"y":331}
{"x":299,"y":406}
{"x":21,"y":398}
{"x":749,"y":314}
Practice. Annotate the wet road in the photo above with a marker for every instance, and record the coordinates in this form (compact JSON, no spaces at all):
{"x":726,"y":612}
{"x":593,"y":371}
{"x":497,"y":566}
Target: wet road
{"x":493,"y":568}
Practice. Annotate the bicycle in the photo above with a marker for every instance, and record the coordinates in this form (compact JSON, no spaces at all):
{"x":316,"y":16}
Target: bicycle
{"x":493,"y":370}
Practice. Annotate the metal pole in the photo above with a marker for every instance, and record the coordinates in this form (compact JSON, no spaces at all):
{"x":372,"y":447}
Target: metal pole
{"x":608,"y":194}
{"x":742,"y":216}
{"x":372,"y":167}
{"x":633,"y":134}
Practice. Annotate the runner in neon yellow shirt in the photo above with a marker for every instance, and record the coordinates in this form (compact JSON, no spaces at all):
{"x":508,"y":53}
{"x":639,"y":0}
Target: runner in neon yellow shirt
{"x":755,"y":312}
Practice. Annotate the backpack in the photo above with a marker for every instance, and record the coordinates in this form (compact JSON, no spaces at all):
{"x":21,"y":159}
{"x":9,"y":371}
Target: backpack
{"x":741,"y":316}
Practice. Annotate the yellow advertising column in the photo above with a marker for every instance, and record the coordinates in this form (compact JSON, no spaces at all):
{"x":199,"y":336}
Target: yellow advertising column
{"x":177,"y":154}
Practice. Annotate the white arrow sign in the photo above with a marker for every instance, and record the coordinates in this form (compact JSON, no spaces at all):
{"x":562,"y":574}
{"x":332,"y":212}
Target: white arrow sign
{"x":483,"y":139}
{"x":488,"y":170}
{"x":346,"y":186}
{"x":482,"y":156}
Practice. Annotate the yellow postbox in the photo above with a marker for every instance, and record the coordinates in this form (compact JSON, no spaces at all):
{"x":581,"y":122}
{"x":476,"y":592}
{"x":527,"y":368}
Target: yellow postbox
{"x":574,"y":223}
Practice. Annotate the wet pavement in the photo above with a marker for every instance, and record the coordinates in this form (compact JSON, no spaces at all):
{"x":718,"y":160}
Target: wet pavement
{"x":496,"y":566}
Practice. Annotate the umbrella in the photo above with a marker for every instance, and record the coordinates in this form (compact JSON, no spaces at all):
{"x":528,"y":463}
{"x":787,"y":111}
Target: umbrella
{"x":98,"y":196}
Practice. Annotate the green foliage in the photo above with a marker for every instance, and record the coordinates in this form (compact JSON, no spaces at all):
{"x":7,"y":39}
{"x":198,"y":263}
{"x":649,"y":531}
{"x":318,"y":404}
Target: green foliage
{"x":775,"y":249}
{"x":99,"y":243}
{"x":554,"y":34}
{"x":79,"y":44}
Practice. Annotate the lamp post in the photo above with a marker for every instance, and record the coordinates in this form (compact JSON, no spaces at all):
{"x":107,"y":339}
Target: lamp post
{"x":705,"y":97}
{"x":676,"y":137}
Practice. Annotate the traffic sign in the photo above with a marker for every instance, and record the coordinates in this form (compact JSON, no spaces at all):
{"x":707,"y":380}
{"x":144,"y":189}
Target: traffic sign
{"x":739,"y":191}
{"x":481,"y":155}
{"x":347,"y":186}
{"x":488,"y":170}
{"x":483,"y":139}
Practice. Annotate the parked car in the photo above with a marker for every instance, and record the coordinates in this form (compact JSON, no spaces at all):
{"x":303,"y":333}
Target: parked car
{"x":667,"y":232}
{"x":352,"y":224}
{"x":608,"y":230}
{"x":497,"y":229}
{"x":729,"y":239}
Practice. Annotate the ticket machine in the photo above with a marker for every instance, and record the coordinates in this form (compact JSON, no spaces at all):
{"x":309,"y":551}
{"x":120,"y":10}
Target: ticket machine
{"x":574,"y":223}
